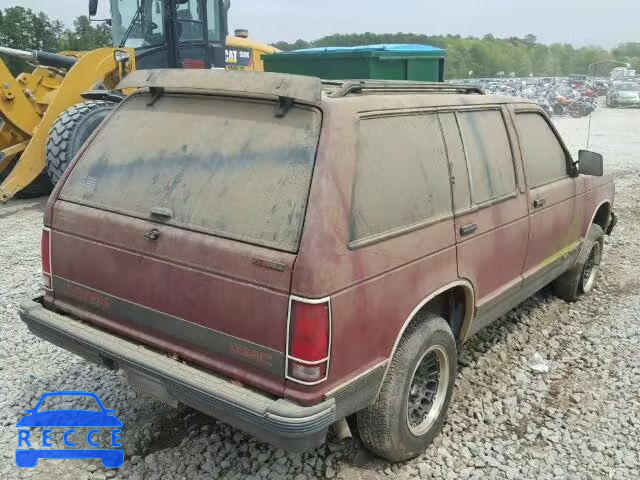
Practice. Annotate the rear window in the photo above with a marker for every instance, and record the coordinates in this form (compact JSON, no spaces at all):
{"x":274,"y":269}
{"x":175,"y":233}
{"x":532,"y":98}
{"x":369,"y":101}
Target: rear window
{"x":228,"y":167}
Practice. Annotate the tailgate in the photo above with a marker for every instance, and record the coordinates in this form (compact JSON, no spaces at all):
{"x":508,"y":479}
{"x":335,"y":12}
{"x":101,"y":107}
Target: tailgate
{"x":189,"y":245}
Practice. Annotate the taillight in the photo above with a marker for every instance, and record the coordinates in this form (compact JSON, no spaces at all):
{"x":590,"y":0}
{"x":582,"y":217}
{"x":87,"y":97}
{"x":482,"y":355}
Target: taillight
{"x":309,"y":341}
{"x":45,"y":251}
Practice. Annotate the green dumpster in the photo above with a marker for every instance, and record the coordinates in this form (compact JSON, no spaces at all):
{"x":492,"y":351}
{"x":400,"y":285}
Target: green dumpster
{"x":382,"y":62}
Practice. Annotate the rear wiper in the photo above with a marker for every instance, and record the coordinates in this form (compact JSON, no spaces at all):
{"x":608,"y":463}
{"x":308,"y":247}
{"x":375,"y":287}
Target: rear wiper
{"x":283,"y":106}
{"x":156,"y":93}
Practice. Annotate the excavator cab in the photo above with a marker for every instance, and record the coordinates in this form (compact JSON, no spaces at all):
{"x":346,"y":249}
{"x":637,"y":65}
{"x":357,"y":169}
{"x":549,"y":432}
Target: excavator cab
{"x":171,"y":33}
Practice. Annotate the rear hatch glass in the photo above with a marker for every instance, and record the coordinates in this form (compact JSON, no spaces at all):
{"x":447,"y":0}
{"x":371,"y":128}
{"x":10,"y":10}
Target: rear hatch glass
{"x":224,"y":166}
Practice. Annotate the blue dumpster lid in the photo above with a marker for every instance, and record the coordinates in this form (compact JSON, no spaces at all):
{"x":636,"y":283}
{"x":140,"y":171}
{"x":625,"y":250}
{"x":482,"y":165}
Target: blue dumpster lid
{"x":385,"y":47}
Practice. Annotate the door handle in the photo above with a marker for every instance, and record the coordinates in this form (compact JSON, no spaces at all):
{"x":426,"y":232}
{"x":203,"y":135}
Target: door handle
{"x":539,"y":202}
{"x":165,"y":213}
{"x":153,"y":234}
{"x":468,"y":229}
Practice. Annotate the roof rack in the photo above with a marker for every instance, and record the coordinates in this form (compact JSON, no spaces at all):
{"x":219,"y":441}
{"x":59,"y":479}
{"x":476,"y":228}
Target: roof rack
{"x":358,"y":86}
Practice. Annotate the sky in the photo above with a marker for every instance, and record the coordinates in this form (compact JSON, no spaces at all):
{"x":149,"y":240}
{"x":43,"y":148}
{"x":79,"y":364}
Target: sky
{"x":579,"y":22}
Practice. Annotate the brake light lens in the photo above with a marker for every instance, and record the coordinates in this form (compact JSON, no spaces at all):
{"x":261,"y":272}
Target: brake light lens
{"x":45,"y":252}
{"x":309,"y":342}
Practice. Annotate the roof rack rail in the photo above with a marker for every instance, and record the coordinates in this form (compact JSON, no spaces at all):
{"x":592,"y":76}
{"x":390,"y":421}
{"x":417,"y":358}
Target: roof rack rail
{"x":358,"y":86}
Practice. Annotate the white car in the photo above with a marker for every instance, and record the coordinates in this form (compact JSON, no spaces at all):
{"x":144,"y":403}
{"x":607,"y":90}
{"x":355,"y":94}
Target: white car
{"x":624,"y":94}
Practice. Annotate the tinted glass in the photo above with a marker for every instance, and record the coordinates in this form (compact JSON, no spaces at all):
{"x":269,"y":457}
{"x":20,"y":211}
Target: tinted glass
{"x":488,"y":153}
{"x":402,"y":177}
{"x":545,"y":160}
{"x":457,"y":161}
{"x":137,"y":23}
{"x":190,"y":21}
{"x":213,"y":20}
{"x":226,"y":167}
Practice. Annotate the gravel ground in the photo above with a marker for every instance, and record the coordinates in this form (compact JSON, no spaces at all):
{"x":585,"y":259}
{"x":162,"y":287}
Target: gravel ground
{"x":580,"y":420}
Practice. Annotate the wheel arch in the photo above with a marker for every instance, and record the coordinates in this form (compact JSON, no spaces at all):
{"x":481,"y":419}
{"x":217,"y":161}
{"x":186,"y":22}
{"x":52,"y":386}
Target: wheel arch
{"x":462,"y":293}
{"x":602,"y":215}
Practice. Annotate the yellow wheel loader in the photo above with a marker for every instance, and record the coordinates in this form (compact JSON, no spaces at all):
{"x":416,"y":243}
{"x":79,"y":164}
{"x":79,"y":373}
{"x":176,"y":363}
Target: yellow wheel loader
{"x":46,"y":115}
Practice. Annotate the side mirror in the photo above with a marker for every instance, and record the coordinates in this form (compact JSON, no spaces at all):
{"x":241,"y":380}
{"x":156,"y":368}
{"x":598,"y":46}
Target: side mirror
{"x":590,"y":163}
{"x":226,"y":5}
{"x":93,"y":8}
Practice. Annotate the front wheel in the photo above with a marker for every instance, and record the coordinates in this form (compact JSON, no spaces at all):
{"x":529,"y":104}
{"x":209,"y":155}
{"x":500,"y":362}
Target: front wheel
{"x":581,"y":278}
{"x":415,"y":395}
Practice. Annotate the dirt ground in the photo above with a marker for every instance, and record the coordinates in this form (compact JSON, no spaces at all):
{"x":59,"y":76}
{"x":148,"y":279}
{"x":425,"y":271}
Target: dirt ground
{"x":581,"y":420}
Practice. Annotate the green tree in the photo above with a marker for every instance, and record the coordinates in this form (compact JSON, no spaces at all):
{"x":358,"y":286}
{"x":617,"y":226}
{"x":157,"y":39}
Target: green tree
{"x":24,"y":29}
{"x":489,"y":55}
{"x":86,"y":36}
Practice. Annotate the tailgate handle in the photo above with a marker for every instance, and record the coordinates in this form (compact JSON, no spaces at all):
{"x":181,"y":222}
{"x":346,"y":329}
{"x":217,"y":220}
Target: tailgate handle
{"x":162,"y":212}
{"x":154,"y":234}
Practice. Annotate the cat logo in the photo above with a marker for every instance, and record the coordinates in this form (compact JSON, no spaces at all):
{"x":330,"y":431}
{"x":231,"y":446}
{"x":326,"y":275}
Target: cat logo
{"x":231,"y":56}
{"x":238,"y":58}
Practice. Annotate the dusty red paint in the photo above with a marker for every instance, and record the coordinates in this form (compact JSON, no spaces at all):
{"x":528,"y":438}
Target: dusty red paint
{"x":217,"y":283}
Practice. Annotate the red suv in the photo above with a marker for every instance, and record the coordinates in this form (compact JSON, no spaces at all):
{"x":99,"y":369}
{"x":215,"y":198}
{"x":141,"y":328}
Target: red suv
{"x":280,"y":253}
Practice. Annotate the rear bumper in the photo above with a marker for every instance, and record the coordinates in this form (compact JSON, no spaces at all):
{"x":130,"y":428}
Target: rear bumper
{"x":277,"y":421}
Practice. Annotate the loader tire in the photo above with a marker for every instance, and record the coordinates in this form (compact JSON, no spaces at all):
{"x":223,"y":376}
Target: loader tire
{"x":37,"y":188}
{"x":69,"y":132}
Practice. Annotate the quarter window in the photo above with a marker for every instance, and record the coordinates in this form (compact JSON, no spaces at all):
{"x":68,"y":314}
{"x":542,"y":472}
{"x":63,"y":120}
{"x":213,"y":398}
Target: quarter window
{"x":544,"y":158}
{"x":488,"y":153}
{"x":402,"y":176}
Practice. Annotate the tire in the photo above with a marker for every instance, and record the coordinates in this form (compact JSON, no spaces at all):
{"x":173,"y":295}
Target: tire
{"x":40,"y":187}
{"x":69,"y":132}
{"x":37,"y":188}
{"x":577,"y":113}
{"x":385,"y":427}
{"x":580,"y":279}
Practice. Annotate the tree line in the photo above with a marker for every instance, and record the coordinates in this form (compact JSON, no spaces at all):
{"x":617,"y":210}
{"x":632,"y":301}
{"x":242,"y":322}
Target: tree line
{"x":490,"y":56}
{"x":466,"y":56}
{"x":27,"y":30}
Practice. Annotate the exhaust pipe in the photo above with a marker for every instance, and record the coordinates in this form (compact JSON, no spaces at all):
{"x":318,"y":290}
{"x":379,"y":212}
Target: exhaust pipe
{"x":341,"y":430}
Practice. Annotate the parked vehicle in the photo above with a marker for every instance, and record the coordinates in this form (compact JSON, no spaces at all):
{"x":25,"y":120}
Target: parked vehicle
{"x":297,"y":264}
{"x":624,"y":94}
{"x":577,"y":107}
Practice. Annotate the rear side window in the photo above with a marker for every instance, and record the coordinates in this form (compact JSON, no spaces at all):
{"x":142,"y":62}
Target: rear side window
{"x":222,"y":166}
{"x":489,"y":155}
{"x":402,"y":176}
{"x":544,"y":158}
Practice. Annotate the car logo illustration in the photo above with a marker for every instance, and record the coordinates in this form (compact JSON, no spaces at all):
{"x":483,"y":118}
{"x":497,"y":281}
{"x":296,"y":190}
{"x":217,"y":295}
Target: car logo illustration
{"x":68,"y":420}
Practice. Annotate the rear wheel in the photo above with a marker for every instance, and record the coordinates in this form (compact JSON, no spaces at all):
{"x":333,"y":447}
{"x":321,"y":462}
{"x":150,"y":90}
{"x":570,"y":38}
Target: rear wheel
{"x":69,"y":132}
{"x":416,"y":392}
{"x":581,"y":278}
